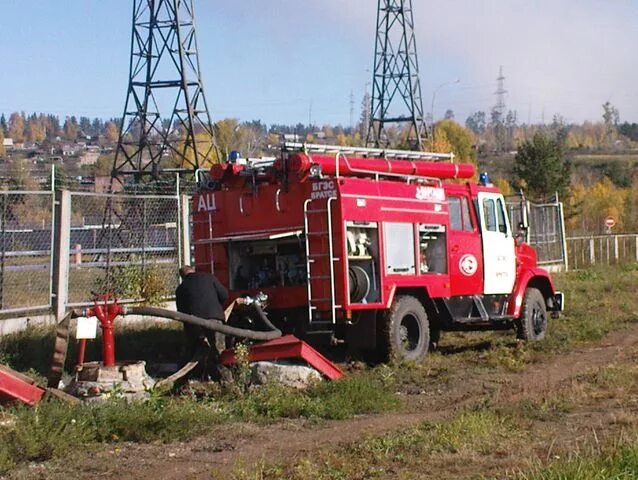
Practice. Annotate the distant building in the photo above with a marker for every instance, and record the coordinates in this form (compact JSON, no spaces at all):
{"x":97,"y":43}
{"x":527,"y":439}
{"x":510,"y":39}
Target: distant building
{"x":89,"y":158}
{"x":70,"y":150}
{"x":7,"y":143}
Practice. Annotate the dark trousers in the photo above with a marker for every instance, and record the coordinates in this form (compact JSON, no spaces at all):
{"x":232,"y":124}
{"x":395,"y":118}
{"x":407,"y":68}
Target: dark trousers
{"x":198,"y":339}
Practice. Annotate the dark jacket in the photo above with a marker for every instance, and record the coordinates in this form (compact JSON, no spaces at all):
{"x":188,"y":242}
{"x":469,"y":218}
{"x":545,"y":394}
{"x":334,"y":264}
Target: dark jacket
{"x":202,"y":295}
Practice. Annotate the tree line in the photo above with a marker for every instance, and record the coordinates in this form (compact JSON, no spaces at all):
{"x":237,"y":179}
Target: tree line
{"x":40,"y":127}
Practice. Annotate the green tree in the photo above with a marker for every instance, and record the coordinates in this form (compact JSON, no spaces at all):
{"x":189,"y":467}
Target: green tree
{"x":541,"y":167}
{"x":3,"y":125}
{"x":104,"y":165}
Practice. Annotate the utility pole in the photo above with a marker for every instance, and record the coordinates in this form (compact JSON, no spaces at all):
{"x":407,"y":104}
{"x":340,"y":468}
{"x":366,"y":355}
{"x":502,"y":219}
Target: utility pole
{"x":396,"y":89}
{"x":351,"y":110}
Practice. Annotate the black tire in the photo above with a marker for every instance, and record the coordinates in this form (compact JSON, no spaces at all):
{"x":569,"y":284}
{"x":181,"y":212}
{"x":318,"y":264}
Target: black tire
{"x":532,"y":324}
{"x":405,"y":330}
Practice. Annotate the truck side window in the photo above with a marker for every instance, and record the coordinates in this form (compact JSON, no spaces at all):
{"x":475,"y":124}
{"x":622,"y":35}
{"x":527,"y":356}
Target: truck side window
{"x":502,"y":225}
{"x":489,"y":212}
{"x":456,"y":216}
{"x":459,"y":214}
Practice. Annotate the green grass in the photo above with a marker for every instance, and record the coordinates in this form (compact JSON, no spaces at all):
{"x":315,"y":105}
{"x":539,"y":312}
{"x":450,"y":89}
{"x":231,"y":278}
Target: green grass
{"x":598,"y":301}
{"x":401,"y":454}
{"x":614,"y":464}
{"x":53,"y":429}
{"x":354,"y":395}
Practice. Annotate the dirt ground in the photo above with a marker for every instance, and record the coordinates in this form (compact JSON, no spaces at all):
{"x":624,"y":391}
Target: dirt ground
{"x":218,"y":454}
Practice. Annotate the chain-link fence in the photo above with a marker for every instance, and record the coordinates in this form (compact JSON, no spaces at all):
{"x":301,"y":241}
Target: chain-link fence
{"x":124,"y":244}
{"x":26,"y":222}
{"x":545,"y":231}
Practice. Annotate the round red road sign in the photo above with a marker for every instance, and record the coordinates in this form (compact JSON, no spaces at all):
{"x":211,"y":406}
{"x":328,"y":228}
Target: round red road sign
{"x":610,"y":222}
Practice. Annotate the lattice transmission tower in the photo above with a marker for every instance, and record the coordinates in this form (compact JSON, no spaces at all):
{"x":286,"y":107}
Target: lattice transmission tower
{"x":166,"y":125}
{"x":498,"y":112}
{"x":165,"y":130}
{"x":396,"y":89}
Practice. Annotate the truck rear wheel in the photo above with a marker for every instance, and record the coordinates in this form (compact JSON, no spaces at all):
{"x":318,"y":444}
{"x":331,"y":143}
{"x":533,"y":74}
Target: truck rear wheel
{"x":405,"y":333}
{"x":532,"y":323}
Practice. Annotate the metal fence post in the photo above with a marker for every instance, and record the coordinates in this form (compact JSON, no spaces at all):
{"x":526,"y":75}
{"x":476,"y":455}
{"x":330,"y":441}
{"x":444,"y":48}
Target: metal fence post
{"x":592,"y":252}
{"x":3,"y":247}
{"x":563,"y":243}
{"x":61,"y":252}
{"x":185,"y":232}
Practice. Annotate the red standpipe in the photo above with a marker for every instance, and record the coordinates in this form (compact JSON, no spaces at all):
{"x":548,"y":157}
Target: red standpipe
{"x":366,"y":166}
{"x":106,"y":313}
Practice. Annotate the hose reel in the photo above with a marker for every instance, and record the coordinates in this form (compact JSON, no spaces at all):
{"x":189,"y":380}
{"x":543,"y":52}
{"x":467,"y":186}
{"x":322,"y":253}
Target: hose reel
{"x":360,"y":283}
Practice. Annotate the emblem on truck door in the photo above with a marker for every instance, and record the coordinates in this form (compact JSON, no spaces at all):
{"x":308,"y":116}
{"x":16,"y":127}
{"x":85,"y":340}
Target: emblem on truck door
{"x":468,"y":265}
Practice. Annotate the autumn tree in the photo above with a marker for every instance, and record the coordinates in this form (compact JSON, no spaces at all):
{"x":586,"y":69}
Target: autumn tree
{"x":35,"y":130}
{"x":459,"y":139}
{"x":71,"y":128}
{"x":111,"y":132}
{"x":16,"y":127}
{"x":541,"y":167}
{"x":2,"y":149}
{"x":596,"y":203}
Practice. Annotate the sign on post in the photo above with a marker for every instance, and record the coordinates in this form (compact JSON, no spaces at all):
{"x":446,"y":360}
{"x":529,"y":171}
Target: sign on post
{"x":610,"y":222}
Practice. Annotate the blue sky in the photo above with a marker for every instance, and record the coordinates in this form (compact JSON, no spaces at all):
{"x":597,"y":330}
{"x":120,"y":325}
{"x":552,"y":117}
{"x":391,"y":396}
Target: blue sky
{"x":272,"y":59}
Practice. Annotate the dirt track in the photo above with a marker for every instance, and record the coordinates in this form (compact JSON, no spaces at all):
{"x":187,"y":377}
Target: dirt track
{"x":216,"y":455}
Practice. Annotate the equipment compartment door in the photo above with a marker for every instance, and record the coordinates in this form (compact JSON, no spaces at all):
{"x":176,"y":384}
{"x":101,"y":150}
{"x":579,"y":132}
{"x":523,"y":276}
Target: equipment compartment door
{"x":499,"y":251}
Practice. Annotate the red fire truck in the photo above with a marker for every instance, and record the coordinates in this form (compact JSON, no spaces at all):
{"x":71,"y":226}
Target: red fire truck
{"x":370,"y":247}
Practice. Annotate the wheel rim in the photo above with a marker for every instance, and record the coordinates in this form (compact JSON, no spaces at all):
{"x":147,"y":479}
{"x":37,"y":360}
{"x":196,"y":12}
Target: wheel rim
{"x":409,"y":333}
{"x":539,"y":320}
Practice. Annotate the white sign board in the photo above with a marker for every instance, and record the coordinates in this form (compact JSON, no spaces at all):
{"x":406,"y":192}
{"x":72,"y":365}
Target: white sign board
{"x":86,"y":328}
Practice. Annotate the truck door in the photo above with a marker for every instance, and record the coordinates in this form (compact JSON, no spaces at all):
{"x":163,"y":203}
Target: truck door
{"x":466,"y":256}
{"x":499,"y":250}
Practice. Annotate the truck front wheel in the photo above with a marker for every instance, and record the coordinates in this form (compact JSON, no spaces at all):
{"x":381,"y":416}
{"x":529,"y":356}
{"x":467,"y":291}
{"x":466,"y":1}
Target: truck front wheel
{"x":405,"y":333}
{"x":532,"y":323}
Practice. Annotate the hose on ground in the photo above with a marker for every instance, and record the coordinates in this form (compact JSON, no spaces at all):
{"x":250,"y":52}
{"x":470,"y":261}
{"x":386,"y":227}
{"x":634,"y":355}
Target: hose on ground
{"x":214,"y":325}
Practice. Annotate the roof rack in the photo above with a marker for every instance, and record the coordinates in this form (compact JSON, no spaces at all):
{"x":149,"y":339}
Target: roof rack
{"x":368,"y":152}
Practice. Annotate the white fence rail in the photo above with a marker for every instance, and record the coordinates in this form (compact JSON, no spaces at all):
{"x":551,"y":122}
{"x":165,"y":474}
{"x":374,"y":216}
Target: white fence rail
{"x":587,"y":251}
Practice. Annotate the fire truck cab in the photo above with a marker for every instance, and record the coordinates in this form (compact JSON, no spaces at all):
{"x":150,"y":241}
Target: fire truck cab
{"x":374,"y":248}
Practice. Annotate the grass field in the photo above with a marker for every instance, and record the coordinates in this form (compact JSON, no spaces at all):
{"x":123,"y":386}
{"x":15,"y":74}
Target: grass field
{"x":486,"y":430}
